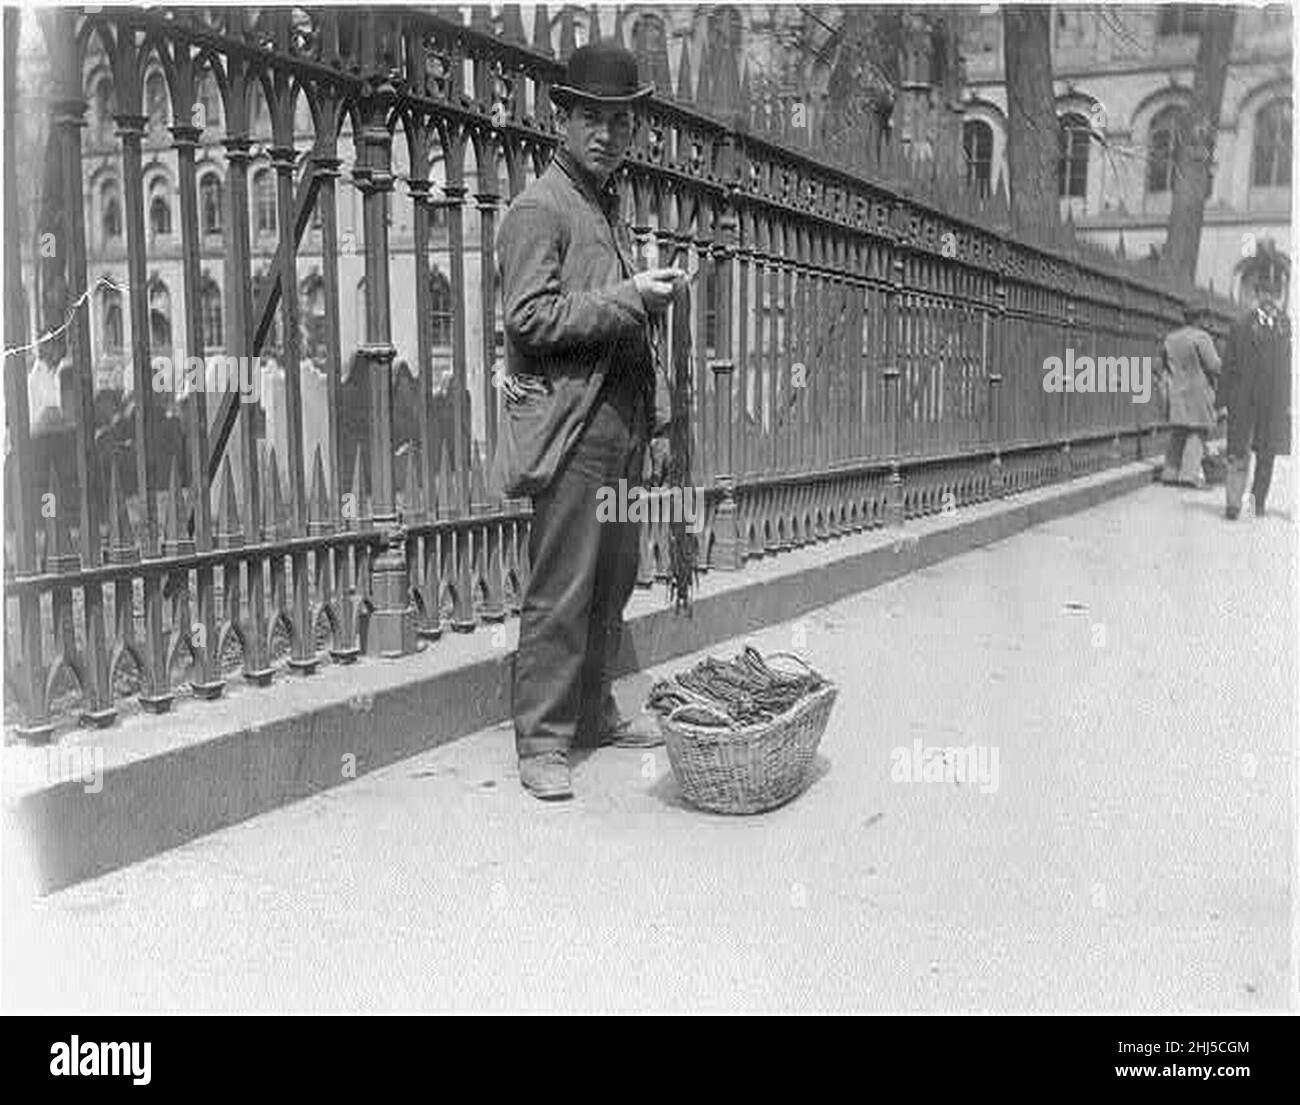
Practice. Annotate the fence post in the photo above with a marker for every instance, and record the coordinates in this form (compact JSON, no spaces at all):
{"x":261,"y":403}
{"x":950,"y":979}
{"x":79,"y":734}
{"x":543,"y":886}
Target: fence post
{"x":727,"y":554}
{"x":240,"y":324}
{"x":1067,"y":459}
{"x":22,"y":488}
{"x":206,"y":680}
{"x":997,"y":347}
{"x":303,"y":658}
{"x":155,"y":695}
{"x":488,"y":201}
{"x":131,"y":130}
{"x":392,"y":623}
{"x":893,"y":400}
{"x":68,"y":119}
{"x":327,"y":165}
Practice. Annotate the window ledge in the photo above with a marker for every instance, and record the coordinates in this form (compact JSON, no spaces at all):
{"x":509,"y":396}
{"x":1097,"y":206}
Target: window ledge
{"x":1273,"y":200}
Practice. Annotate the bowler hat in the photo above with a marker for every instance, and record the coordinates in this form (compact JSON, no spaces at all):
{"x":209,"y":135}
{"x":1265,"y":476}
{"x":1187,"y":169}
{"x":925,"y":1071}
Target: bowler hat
{"x":602,"y":73}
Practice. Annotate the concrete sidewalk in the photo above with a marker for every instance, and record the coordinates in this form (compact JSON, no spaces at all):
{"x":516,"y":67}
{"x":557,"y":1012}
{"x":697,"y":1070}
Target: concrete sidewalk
{"x":1133,"y":665}
{"x":168,"y":779}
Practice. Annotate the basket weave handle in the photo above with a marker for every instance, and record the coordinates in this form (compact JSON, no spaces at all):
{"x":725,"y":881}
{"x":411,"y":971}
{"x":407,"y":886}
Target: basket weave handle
{"x":793,"y":656}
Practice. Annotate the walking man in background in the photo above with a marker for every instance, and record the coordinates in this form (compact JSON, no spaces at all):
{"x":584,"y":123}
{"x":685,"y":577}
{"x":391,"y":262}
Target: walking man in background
{"x":582,"y":401}
{"x":1256,"y":385}
{"x":1192,"y":365}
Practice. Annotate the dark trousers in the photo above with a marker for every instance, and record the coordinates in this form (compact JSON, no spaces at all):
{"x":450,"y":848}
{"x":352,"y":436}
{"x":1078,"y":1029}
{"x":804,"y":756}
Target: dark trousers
{"x":1243,"y":437}
{"x":581,"y":575}
{"x":1263,"y":477}
{"x":1237,"y":468}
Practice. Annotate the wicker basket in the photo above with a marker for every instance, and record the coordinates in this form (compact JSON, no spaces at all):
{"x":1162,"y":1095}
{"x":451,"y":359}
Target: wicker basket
{"x":748,"y":769}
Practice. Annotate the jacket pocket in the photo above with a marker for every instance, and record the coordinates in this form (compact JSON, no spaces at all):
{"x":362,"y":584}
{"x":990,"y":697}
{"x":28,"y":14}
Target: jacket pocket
{"x":519,"y":466}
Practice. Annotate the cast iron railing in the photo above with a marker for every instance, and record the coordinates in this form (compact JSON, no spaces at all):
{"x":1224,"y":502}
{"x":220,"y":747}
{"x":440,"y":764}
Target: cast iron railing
{"x":868,"y":344}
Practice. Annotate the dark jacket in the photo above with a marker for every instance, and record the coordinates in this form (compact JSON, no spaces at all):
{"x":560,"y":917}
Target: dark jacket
{"x":572,"y":318}
{"x":1256,"y":383}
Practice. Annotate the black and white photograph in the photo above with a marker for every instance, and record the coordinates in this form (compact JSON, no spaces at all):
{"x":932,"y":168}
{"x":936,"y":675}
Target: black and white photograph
{"x":631,"y":509}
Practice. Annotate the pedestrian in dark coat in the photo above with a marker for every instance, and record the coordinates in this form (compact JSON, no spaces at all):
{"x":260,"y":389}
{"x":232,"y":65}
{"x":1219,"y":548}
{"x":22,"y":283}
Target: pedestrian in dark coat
{"x":581,"y":403}
{"x":1256,"y":384}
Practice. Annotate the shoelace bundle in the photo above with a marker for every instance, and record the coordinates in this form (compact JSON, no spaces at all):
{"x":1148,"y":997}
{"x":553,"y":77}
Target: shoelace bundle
{"x":745,"y":689}
{"x":672,"y":353}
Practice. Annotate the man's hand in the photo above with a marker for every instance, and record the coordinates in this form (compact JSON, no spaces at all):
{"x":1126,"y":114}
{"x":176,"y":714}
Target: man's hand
{"x":660,"y":452}
{"x":657,"y":287}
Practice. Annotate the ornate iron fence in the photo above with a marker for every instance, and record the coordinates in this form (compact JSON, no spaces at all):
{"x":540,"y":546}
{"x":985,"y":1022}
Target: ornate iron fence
{"x":868,"y":343}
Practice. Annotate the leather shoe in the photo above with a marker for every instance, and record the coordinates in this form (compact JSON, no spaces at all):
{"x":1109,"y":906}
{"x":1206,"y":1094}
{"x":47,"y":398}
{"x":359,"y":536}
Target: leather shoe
{"x":546,"y":776}
{"x":621,"y":732}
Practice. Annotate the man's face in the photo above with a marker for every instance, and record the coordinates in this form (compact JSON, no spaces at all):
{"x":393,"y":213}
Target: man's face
{"x":598,"y":135}
{"x":1271,"y":293}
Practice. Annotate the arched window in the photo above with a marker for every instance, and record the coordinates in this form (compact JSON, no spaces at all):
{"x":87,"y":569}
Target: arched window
{"x":1271,"y":157}
{"x":156,"y":100}
{"x":1074,"y":29}
{"x":160,"y":314}
{"x":1181,"y":19}
{"x":312,"y":297}
{"x":440,"y":309}
{"x":105,"y":108}
{"x":210,"y":101}
{"x":726,"y":24}
{"x":977,"y":142}
{"x":210,"y":200}
{"x":214,"y":332}
{"x":437,"y":211}
{"x":1162,"y":148}
{"x":261,"y":127}
{"x":712,"y":296}
{"x":112,"y":320}
{"x":1072,"y":156}
{"x":650,"y":45}
{"x":112,"y":211}
{"x":264,"y":202}
{"x":160,"y":215}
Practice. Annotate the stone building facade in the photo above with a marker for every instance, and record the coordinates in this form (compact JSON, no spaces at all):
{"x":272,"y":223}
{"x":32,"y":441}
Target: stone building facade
{"x":1122,"y":75}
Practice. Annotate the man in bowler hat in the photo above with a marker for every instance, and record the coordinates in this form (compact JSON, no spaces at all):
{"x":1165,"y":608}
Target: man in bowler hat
{"x":582,"y":404}
{"x":1256,"y":383}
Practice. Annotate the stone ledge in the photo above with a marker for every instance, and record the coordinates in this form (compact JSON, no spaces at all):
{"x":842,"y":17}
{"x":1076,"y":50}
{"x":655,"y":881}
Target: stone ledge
{"x":169,"y":779}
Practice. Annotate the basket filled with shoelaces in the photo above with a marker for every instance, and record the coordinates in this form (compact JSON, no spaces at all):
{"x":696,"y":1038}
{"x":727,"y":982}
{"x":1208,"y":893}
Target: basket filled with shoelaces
{"x":741,"y":734}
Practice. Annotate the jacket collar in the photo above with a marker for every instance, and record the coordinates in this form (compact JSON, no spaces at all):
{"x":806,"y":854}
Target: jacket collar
{"x":605,"y":198}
